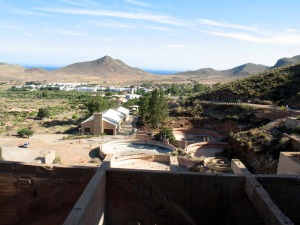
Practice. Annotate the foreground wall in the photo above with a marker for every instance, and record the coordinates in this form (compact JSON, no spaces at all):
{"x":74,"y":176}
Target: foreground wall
{"x":170,"y":198}
{"x":285,"y":192}
{"x":32,"y":194}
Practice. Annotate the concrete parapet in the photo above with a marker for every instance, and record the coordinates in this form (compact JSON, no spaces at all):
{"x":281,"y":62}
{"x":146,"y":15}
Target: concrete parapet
{"x":90,"y":207}
{"x":289,"y":163}
{"x":174,"y":165}
{"x":238,"y":167}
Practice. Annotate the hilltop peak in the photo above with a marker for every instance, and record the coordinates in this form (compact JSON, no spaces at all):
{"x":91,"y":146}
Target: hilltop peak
{"x":105,"y":68}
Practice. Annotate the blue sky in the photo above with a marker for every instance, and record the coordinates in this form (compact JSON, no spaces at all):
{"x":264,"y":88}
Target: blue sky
{"x":165,"y":34}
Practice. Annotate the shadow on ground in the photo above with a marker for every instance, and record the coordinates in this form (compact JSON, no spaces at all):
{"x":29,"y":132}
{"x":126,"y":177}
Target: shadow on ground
{"x":94,"y":153}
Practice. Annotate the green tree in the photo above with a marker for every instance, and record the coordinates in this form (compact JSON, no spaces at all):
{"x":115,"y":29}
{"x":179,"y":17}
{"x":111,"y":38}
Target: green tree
{"x":44,"y":113}
{"x":196,"y":109}
{"x":174,"y":89}
{"x":154,"y":108}
{"x":199,"y":87}
{"x":167,"y":133}
{"x":25,"y":132}
{"x":97,"y":104}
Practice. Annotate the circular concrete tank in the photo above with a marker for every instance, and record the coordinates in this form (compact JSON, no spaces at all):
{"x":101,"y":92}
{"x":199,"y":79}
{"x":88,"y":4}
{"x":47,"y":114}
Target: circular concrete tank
{"x":134,"y":146}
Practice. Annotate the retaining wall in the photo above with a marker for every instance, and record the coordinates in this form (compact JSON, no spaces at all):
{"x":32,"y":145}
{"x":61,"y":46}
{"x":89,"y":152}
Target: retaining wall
{"x":34,"y":194}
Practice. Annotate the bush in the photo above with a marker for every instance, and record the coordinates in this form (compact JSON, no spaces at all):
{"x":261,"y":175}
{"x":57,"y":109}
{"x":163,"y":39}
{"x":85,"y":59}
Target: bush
{"x":44,"y":113}
{"x":167,"y":133}
{"x":1,"y":158}
{"x":57,"y":160}
{"x":25,"y":132}
{"x":75,"y":117}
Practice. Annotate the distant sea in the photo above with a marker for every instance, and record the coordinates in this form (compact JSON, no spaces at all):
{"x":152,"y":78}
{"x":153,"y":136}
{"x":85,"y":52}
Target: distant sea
{"x":158,"y":72}
{"x":44,"y":67}
{"x":162,"y":72}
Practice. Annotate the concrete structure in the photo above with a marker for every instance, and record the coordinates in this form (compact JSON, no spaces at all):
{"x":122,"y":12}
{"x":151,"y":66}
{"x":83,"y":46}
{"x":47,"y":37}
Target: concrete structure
{"x":134,"y":108}
{"x":108,"y":122}
{"x":206,"y":149}
{"x":134,"y":146}
{"x":45,"y":195}
{"x":289,"y":163}
{"x":46,"y":158}
{"x":238,"y":167}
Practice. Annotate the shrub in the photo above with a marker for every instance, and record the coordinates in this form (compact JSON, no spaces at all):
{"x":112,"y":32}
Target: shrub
{"x":167,"y":133}
{"x":1,"y":158}
{"x":44,"y":113}
{"x":75,"y":117}
{"x":57,"y":160}
{"x":25,"y":132}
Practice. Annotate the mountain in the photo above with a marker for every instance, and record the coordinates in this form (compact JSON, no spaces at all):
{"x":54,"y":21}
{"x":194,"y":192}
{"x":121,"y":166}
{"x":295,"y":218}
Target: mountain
{"x":240,"y":71}
{"x":279,"y":84}
{"x":200,"y":72}
{"x":287,"y":61}
{"x":36,"y":71}
{"x":10,"y":71}
{"x":104,"y":68}
{"x":244,"y":70}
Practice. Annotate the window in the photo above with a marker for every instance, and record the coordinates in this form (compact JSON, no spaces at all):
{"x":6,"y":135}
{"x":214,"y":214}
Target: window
{"x":87,"y":130}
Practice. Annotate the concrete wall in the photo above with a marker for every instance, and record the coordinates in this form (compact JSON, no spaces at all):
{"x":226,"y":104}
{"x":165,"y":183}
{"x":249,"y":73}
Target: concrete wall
{"x":238,"y":167}
{"x":174,"y":198}
{"x":89,"y":209}
{"x":88,"y":124}
{"x":107,"y":125}
{"x":285,"y":192}
{"x":32,"y":194}
{"x":288,"y":164}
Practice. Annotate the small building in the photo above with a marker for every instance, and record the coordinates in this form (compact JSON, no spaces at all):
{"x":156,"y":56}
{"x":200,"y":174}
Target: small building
{"x":133,"y":109}
{"x":133,"y":96}
{"x":122,"y":100}
{"x":108,"y":122}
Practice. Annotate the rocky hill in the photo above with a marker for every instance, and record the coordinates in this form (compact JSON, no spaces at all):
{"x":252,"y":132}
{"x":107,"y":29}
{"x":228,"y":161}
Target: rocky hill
{"x":287,"y":61}
{"x":242,"y":70}
{"x":104,"y":68}
{"x":11,"y":72}
{"x":277,"y":85}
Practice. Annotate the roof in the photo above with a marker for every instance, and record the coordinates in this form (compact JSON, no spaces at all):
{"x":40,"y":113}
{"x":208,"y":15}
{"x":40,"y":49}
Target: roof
{"x":88,"y":119}
{"x":112,"y":116}
{"x":134,"y":106}
{"x":123,"y":110}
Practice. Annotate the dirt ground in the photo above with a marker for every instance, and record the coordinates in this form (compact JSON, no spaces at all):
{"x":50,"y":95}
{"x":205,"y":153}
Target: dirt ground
{"x":71,"y":152}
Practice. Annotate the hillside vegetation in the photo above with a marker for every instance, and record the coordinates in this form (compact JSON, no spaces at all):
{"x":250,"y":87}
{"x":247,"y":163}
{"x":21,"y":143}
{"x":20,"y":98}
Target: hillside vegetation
{"x":277,"y":85}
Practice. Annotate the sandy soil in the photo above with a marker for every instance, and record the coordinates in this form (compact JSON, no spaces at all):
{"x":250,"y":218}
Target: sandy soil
{"x":71,"y":152}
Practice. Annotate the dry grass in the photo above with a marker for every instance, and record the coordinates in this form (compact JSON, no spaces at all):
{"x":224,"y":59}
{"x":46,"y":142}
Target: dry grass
{"x":21,"y":113}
